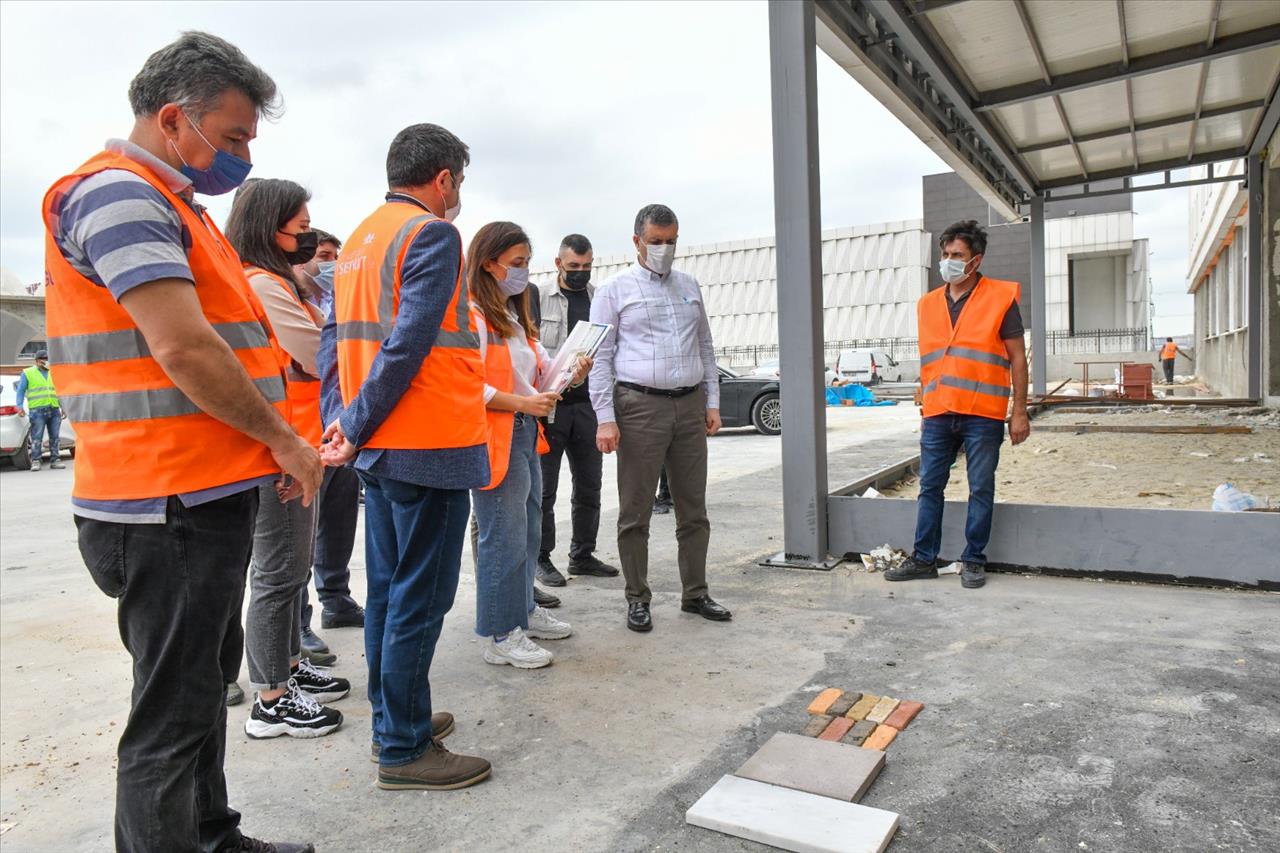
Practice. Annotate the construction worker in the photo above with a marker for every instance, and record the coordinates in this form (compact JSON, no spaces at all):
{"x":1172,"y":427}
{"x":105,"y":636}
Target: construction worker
{"x":400,"y":348}
{"x":971,"y":353}
{"x":1168,"y":355}
{"x":35,"y":388}
{"x":167,"y":367}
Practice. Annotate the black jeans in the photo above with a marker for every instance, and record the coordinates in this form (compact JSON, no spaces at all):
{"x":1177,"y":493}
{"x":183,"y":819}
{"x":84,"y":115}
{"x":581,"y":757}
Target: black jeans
{"x":1168,"y":370}
{"x":573,"y":434}
{"x":337,"y":514}
{"x":180,"y":587}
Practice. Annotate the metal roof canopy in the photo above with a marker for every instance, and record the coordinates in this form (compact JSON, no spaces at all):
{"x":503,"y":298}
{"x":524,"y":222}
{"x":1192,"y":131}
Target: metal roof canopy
{"x":1025,"y":97}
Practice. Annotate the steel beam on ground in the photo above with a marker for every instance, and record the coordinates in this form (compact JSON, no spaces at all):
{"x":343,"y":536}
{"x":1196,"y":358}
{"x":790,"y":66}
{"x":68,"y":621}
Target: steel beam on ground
{"x":797,"y":211}
{"x":1039,"y":312}
{"x":1253,"y":271}
{"x":1177,"y":57}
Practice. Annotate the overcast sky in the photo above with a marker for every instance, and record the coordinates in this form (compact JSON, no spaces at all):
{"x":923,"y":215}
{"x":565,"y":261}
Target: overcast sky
{"x":576,"y":114}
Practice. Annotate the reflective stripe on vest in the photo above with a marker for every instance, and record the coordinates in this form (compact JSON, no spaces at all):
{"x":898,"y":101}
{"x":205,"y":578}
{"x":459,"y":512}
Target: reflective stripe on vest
{"x":366,"y":301}
{"x":40,"y":391}
{"x":965,"y":367}
{"x":138,"y":434}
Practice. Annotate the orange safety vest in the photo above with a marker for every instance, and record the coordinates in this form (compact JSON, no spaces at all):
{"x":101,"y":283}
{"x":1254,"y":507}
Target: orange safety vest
{"x":138,"y":435}
{"x":1169,"y":351}
{"x":301,"y":388}
{"x":965,"y":370}
{"x":444,"y":404}
{"x":502,"y":424}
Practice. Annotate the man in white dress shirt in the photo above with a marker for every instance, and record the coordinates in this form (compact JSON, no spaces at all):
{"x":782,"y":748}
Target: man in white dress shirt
{"x":656,"y":394}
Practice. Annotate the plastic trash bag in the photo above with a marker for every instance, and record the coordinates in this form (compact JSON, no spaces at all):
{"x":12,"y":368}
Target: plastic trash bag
{"x":1227,"y":498}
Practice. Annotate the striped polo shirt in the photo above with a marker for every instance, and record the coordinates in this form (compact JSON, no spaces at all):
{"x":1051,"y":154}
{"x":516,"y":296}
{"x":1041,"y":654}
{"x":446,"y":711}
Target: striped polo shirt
{"x":118,"y":231}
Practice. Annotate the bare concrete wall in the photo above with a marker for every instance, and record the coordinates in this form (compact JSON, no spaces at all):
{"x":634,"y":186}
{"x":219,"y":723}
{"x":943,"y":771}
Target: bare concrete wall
{"x":1271,"y":282}
{"x":1223,"y":363}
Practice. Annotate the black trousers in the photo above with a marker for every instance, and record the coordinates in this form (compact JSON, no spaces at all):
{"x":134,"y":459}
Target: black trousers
{"x":573,"y":434}
{"x":180,"y":587}
{"x":337,"y":514}
{"x":1168,"y":370}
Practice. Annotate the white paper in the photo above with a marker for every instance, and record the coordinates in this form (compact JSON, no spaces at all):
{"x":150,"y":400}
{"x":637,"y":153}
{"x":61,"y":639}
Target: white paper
{"x":584,"y":340}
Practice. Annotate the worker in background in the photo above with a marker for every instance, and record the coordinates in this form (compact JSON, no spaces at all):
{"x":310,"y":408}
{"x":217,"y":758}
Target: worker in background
{"x":1168,"y":355}
{"x":564,"y":303}
{"x":656,"y":393}
{"x":146,"y":293}
{"x":972,"y":359}
{"x":399,"y":349}
{"x":35,"y":388}
{"x":270,"y":228}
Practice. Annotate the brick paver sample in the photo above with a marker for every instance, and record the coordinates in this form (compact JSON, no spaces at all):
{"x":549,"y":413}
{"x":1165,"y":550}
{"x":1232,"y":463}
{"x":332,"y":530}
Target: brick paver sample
{"x":817,"y":723}
{"x":880,"y":738}
{"x":824,"y":700}
{"x":882,"y":710}
{"x":841,"y":706}
{"x":860,"y":732}
{"x":862,"y":707}
{"x":838,"y":728}
{"x":904,"y":714}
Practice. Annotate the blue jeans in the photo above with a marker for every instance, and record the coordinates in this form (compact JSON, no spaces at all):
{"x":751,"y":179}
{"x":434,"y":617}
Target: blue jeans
{"x":413,"y":549}
{"x":941,"y":437}
{"x":46,"y":417}
{"x":510,"y":522}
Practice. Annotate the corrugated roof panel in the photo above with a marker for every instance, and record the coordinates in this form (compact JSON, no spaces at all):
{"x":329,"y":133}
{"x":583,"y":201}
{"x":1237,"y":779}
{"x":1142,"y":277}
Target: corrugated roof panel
{"x":1153,"y":27}
{"x":1031,"y":122}
{"x":1100,"y":108}
{"x":1243,"y":77}
{"x":977,"y":34}
{"x":1052,"y":163}
{"x":1163,"y":143}
{"x":1166,"y":94}
{"x":1114,"y":152}
{"x":1238,"y":16}
{"x":1223,"y":132}
{"x":1074,"y":34}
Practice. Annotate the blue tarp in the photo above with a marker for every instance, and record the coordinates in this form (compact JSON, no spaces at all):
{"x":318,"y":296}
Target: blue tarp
{"x":859,"y":394}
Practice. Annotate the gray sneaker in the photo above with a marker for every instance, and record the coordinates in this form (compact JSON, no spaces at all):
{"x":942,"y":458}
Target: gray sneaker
{"x":972,"y":575}
{"x":235,"y":694}
{"x":35,"y":466}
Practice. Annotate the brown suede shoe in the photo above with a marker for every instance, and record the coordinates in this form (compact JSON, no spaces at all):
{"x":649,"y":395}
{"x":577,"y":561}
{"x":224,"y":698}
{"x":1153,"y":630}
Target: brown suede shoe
{"x":437,"y":769}
{"x":441,"y":727}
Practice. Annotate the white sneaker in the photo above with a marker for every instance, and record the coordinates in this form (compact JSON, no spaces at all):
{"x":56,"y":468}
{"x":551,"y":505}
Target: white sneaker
{"x":517,"y":650}
{"x":544,"y":626}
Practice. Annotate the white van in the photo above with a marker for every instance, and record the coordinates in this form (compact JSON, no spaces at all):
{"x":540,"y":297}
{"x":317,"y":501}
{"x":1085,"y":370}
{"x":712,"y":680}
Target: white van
{"x":867,"y":367}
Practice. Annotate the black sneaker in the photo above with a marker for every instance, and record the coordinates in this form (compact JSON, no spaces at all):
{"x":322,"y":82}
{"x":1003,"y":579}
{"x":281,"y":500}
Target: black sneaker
{"x":253,"y":845}
{"x":911,"y":570}
{"x":313,"y":642}
{"x":972,"y":575}
{"x":319,"y":683}
{"x":349,"y":617}
{"x":542,"y":598}
{"x":592,"y":565}
{"x":662,"y":507}
{"x":294,"y":714}
{"x":548,"y":574}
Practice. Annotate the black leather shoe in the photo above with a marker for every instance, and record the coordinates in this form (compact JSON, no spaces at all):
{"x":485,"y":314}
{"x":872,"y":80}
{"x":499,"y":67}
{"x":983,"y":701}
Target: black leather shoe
{"x":911,"y":570}
{"x":350,"y":617}
{"x":313,"y":642}
{"x":661,"y":507}
{"x":592,"y":565}
{"x":548,"y":574}
{"x":707,"y":609}
{"x":545,"y":599}
{"x":638,"y":618}
{"x":972,"y":575}
{"x":253,"y":845}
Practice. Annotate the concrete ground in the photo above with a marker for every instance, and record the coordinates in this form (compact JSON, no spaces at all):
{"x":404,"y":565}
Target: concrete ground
{"x":1061,"y":714}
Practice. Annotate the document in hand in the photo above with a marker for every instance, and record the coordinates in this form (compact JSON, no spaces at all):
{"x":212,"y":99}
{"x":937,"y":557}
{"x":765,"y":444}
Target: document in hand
{"x":584,"y":340}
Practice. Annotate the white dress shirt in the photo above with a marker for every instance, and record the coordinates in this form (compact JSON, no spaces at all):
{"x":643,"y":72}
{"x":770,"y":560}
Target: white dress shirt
{"x":526,"y":364}
{"x":660,"y":337}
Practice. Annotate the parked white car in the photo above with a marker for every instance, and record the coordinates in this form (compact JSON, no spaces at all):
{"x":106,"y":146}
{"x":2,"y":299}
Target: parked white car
{"x":867,"y":367}
{"x":772,"y":369}
{"x":15,"y":428}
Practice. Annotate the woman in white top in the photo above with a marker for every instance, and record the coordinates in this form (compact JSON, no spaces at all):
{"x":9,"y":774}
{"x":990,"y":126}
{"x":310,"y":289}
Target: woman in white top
{"x":509,"y":510}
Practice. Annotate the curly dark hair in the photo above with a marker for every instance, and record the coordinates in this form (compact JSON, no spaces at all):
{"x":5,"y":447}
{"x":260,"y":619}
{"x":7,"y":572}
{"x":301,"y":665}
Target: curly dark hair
{"x":973,"y":235}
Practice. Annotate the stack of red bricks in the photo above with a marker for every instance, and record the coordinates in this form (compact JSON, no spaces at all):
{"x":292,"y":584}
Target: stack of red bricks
{"x":860,"y":719}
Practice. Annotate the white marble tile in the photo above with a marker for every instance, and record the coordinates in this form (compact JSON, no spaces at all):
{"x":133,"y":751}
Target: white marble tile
{"x":792,"y":820}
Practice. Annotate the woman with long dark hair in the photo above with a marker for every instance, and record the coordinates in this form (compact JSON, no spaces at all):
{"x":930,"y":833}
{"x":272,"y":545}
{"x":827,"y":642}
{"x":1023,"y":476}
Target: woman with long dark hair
{"x":270,"y":228}
{"x":509,"y":510}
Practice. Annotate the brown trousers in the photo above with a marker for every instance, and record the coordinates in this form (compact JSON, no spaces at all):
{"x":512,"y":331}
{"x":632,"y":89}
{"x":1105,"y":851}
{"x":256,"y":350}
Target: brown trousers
{"x":657,"y":430}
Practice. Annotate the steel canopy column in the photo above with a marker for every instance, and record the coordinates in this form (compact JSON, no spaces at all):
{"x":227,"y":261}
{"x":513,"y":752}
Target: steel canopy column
{"x":1039,"y":312}
{"x":1253,"y":283}
{"x":792,"y":61}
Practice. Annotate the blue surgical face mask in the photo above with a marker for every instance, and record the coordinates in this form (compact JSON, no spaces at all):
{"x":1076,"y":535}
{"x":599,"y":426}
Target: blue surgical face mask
{"x":225,"y":173}
{"x":952,"y":270}
{"x":516,"y":282}
{"x":324,"y":275}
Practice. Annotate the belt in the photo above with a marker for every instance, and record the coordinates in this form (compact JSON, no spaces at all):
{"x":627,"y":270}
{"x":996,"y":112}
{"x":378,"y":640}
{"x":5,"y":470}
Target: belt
{"x":660,"y":392}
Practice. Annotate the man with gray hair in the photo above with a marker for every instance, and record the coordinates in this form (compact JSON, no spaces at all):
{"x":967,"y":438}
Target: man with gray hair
{"x":177,"y":396}
{"x":656,"y":392}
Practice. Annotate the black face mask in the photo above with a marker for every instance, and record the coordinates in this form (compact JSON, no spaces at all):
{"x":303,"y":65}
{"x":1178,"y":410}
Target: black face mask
{"x":308,"y":241}
{"x":577,"y":279}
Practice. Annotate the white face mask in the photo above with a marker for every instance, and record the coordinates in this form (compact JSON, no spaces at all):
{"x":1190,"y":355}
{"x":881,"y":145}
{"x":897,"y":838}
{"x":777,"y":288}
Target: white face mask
{"x":952,"y":270}
{"x":516,"y":282}
{"x":452,"y":213}
{"x":658,"y":258}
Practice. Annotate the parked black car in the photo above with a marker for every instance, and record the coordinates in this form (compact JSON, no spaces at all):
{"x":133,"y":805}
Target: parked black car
{"x":750,"y":401}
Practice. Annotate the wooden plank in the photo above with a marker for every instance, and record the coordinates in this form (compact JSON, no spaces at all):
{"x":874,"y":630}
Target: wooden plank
{"x":1190,"y":429}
